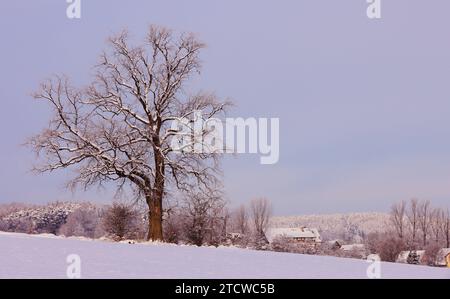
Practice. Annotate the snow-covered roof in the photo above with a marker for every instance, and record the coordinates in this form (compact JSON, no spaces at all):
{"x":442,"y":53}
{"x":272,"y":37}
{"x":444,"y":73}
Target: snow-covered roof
{"x":351,"y":247}
{"x":298,"y":232}
{"x":373,"y":257}
{"x":235,"y":235}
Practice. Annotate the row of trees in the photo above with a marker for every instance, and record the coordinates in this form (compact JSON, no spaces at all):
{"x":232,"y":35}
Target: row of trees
{"x":117,"y":221}
{"x":206,"y":219}
{"x":418,"y":224}
{"x":197,"y":218}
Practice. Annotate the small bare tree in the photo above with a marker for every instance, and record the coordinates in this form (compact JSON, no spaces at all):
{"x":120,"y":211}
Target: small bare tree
{"x":431,"y":254}
{"x":398,"y":217}
{"x":390,"y":247}
{"x":240,"y":220}
{"x":413,"y":215}
{"x":424,"y":220}
{"x":261,"y":211}
{"x":436,"y":218}
{"x":446,"y":227}
{"x":82,"y":222}
{"x":204,"y":215}
{"x":119,"y":220}
{"x":118,"y":128}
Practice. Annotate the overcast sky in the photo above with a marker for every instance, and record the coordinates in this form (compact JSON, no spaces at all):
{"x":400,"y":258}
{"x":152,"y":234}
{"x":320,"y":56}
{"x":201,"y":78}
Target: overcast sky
{"x":364,"y":105}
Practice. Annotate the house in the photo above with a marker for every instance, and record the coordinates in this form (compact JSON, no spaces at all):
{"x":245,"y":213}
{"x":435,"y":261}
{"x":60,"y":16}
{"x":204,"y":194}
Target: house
{"x":234,"y":238}
{"x":443,"y":258}
{"x":373,"y":257}
{"x":354,"y":250}
{"x":411,"y":257}
{"x":353,"y":247}
{"x":335,"y":244}
{"x":234,"y":235}
{"x":300,"y":235}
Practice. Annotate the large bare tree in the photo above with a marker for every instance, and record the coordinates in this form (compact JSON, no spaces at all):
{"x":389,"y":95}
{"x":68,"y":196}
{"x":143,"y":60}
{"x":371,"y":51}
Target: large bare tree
{"x":118,"y":127}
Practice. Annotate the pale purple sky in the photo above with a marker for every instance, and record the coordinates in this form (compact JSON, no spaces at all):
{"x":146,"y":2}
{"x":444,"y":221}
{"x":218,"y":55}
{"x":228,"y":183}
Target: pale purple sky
{"x":364,"y":105}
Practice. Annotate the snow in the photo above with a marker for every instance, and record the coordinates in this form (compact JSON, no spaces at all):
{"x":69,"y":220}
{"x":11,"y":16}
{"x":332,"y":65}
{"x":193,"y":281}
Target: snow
{"x":37,"y":256}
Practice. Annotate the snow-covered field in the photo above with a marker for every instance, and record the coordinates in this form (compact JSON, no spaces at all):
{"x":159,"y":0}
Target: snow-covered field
{"x":44,"y":256}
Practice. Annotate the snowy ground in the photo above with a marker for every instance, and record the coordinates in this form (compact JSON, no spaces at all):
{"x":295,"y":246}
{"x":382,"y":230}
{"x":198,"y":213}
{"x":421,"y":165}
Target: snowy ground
{"x":28,"y":256}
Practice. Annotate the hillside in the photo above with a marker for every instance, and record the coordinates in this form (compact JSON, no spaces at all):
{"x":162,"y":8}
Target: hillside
{"x":44,"y":256}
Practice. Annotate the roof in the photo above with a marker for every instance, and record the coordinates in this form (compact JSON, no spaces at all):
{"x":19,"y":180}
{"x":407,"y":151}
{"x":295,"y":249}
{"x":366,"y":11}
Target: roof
{"x":298,"y":232}
{"x":373,"y":257}
{"x":351,"y":247}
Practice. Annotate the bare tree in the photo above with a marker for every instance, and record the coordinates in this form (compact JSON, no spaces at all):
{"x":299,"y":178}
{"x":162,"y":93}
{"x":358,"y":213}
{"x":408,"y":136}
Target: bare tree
{"x":119,"y":221}
{"x":204,"y":215}
{"x":412,"y":216}
{"x":431,"y":254}
{"x":261,"y":211}
{"x":389,"y":248}
{"x":424,"y":220}
{"x":82,"y":222}
{"x":118,"y":129}
{"x":446,"y":227}
{"x":436,"y":218}
{"x":398,"y":217}
{"x":241,"y":220}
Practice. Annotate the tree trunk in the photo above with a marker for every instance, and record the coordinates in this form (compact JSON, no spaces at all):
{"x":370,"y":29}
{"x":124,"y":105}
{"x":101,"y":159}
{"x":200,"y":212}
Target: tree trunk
{"x":155,"y":232}
{"x":154,"y":202}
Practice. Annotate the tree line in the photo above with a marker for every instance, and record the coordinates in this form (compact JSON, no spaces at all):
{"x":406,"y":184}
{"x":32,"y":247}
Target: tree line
{"x":419,"y":224}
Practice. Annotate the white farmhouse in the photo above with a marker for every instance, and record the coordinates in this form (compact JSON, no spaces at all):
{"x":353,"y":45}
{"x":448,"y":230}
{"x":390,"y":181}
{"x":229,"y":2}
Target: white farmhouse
{"x":301,"y":235}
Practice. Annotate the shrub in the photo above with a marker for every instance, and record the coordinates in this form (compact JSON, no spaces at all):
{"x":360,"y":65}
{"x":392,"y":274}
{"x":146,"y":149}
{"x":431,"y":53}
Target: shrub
{"x":3,"y":225}
{"x":390,"y":247}
{"x":173,"y":228}
{"x":121,"y":221}
{"x":203,"y":219}
{"x":430,"y":257}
